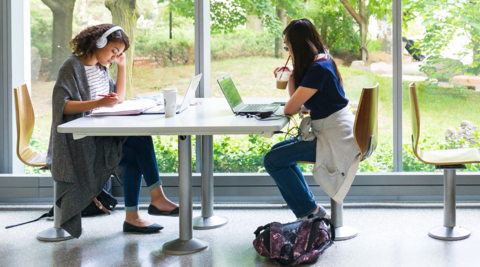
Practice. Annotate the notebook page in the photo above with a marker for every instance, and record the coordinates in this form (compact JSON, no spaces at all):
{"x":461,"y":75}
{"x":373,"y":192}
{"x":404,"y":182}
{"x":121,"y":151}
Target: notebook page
{"x":128,"y":107}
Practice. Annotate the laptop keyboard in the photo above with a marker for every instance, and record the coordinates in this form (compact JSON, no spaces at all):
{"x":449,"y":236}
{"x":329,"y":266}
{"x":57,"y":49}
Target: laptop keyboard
{"x":254,"y":107}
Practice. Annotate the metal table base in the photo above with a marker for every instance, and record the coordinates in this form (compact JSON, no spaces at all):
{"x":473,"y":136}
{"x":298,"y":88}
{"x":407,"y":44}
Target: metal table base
{"x":186,"y":244}
{"x":56,"y":233}
{"x":208,"y":220}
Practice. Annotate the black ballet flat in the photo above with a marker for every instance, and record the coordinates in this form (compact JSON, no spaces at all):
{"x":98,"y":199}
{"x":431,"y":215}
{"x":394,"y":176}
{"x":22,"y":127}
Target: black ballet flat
{"x":152,"y":210}
{"x":149,"y":229}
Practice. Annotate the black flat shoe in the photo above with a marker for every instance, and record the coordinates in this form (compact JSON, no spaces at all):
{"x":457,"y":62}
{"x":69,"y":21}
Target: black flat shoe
{"x":149,"y":229}
{"x":152,"y":210}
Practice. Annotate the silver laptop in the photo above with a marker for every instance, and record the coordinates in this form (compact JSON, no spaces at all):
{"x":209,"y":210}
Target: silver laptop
{"x":236,"y":102}
{"x":186,"y":100}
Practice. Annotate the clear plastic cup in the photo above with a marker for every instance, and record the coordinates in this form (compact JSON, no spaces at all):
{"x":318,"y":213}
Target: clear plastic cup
{"x":170,"y":100}
{"x":282,"y":78}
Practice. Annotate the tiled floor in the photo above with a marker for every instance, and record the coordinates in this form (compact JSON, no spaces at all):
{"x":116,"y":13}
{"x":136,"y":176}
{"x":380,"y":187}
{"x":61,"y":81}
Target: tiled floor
{"x":388,"y":236}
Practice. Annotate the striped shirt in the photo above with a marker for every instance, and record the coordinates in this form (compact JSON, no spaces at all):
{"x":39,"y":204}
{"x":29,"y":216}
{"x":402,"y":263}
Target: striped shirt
{"x":97,"y":81}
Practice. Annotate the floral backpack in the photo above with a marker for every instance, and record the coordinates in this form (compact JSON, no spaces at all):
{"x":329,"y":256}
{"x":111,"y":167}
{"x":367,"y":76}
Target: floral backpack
{"x":294,"y":243}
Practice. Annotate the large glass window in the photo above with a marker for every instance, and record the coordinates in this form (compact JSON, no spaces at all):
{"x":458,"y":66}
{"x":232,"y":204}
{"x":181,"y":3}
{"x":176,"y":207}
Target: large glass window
{"x":247,"y":44}
{"x":442,"y":47}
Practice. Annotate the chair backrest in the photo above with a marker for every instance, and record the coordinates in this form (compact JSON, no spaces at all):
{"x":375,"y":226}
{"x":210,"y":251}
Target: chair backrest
{"x":365,"y":129}
{"x":415,"y":114}
{"x":25,"y":123}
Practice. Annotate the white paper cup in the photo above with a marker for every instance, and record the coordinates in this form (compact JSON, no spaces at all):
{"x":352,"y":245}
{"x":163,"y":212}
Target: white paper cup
{"x":170,"y":100}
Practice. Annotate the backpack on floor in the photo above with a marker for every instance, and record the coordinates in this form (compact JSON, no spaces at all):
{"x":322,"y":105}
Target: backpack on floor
{"x":294,"y":243}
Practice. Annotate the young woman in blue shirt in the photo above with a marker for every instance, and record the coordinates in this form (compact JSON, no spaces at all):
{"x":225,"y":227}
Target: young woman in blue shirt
{"x":316,"y":84}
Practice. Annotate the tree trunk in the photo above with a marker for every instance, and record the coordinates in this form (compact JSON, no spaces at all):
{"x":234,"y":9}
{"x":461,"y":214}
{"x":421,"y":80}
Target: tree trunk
{"x":363,"y":29}
{"x":279,"y":40}
{"x":362,"y":20}
{"x":125,"y":14}
{"x":62,"y":33}
{"x":323,"y":34}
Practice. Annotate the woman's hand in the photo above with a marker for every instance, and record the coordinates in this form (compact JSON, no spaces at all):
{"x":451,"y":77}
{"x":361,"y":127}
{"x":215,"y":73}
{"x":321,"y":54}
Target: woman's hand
{"x":109,"y":102}
{"x":77,"y":107}
{"x":120,"y":60}
{"x":290,"y":68}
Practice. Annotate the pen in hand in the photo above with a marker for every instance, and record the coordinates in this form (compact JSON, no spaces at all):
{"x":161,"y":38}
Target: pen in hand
{"x":108,"y":95}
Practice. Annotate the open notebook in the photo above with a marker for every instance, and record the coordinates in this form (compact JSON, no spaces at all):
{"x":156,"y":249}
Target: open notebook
{"x":129,"y":107}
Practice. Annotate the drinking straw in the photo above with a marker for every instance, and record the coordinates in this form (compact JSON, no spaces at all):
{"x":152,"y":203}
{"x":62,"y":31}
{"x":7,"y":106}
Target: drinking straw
{"x":284,"y":67}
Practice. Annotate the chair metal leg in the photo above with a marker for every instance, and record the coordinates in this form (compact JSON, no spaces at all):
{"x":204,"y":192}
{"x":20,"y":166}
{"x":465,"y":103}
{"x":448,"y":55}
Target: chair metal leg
{"x":56,"y":233}
{"x":449,"y":231}
{"x":208,"y":220}
{"x":341,"y":232}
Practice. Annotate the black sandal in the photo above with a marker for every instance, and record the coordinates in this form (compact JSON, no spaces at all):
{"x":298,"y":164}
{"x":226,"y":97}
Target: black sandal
{"x":152,"y":210}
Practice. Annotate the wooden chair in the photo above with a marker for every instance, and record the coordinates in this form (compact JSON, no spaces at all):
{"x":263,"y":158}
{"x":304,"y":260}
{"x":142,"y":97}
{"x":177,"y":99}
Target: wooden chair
{"x":365,"y":132}
{"x":25,"y":125}
{"x":448,"y":160}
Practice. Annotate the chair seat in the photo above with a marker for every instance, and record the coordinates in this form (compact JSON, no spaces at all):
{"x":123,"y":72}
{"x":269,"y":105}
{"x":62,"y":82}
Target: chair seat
{"x":34,"y":159}
{"x":451,"y":156}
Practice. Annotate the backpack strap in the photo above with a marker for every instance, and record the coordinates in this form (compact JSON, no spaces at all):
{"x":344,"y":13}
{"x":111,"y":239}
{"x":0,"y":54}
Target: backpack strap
{"x":328,"y":222}
{"x":260,"y":228}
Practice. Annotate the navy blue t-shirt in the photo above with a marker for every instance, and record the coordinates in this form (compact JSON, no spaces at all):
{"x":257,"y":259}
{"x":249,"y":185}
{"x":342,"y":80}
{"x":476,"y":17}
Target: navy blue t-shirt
{"x":330,"y":96}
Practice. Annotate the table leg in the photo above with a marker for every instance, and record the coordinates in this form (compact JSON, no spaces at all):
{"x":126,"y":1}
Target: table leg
{"x":186,"y":244}
{"x":56,"y":233}
{"x":208,"y":220}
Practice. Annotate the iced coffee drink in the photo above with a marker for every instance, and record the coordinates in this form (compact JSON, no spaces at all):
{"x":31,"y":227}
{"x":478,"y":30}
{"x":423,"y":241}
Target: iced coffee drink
{"x":282,"y":78}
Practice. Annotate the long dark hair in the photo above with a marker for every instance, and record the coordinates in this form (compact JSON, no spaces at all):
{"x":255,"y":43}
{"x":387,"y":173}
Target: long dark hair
{"x":85,"y":42}
{"x":306,"y":45}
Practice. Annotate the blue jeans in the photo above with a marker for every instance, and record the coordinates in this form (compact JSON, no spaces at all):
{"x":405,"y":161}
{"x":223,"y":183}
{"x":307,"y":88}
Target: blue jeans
{"x":280,"y":164}
{"x":138,"y":158}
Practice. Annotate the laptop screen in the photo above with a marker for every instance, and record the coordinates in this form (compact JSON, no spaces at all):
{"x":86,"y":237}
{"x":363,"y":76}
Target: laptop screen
{"x":191,"y":91}
{"x":231,"y":92}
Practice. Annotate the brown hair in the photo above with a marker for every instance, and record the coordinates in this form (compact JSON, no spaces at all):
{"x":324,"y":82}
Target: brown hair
{"x":85,"y":42}
{"x":306,"y":45}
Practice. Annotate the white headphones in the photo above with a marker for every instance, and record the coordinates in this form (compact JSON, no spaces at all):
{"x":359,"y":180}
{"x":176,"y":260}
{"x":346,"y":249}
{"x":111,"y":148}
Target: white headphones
{"x":102,"y":41}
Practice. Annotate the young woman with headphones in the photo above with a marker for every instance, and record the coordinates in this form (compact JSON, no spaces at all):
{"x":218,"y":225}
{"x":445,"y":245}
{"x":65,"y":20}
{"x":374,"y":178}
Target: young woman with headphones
{"x":316,"y":84}
{"x":81,"y":167}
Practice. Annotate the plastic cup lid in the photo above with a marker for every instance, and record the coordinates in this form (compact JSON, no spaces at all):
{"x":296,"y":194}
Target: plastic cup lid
{"x":170,"y":90}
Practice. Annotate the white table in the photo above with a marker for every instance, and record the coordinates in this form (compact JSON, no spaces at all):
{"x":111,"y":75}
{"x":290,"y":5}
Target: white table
{"x":212,"y":116}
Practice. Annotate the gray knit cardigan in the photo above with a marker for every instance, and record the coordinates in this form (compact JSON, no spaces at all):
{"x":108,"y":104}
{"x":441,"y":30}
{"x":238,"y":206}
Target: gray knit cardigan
{"x":80,"y":167}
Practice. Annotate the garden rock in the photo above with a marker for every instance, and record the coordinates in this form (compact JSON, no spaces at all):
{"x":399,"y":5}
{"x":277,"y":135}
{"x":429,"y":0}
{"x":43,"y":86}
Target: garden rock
{"x":381,"y":68}
{"x":466,"y":132}
{"x":36,"y":62}
{"x":358,"y":65}
{"x":450,"y":133}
